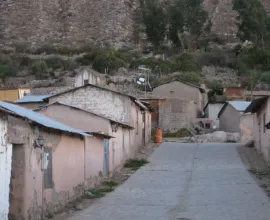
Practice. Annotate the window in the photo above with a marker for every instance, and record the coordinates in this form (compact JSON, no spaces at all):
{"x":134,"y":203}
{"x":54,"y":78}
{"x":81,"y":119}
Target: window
{"x":85,"y":81}
{"x":207,"y":126}
{"x":264,"y":123}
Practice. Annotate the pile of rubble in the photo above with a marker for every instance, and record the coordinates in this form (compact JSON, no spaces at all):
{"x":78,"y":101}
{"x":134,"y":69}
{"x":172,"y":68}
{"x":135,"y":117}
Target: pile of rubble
{"x":217,"y":137}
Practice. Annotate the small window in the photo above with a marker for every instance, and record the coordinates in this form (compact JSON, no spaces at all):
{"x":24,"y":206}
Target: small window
{"x":85,"y":81}
{"x":207,"y":126}
{"x":171,"y":93}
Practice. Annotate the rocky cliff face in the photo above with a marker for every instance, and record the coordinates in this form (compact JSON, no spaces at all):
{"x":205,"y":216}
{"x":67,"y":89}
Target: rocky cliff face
{"x":77,"y":22}
{"x":66,"y":22}
{"x":223,"y":17}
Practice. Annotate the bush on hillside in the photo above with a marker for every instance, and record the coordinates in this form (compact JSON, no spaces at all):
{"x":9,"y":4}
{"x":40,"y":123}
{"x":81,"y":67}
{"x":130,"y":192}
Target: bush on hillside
{"x":6,"y":65}
{"x":191,"y":77}
{"x":39,"y":68}
{"x":187,"y":62}
{"x":107,"y":63}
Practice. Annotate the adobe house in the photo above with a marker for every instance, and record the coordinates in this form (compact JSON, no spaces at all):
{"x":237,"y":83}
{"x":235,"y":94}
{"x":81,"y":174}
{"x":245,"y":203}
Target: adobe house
{"x":119,"y":148}
{"x":13,"y":94}
{"x":113,"y":105}
{"x":155,"y":105}
{"x":43,"y":161}
{"x":176,"y":113}
{"x":85,"y":75}
{"x":182,"y":91}
{"x":260,"y":108}
{"x":232,"y":118}
{"x":234,"y":93}
{"x":32,"y":101}
{"x":171,"y":114}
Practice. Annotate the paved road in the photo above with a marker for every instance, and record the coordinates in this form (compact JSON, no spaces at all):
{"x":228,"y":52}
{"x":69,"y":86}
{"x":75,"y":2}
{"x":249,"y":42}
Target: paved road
{"x":186,"y":181}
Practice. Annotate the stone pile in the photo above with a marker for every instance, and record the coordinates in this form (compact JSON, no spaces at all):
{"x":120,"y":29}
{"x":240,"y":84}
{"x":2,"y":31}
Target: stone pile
{"x":216,"y":137}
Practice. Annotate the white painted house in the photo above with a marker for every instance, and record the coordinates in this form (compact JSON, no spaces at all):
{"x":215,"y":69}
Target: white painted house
{"x":211,"y":111}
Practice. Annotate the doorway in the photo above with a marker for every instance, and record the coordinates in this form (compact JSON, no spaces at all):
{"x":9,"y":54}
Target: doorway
{"x":106,"y":157}
{"x":16,"y":197}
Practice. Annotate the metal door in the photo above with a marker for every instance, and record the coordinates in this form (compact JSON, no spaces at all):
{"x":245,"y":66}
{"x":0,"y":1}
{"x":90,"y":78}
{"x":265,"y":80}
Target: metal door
{"x":106,"y":157}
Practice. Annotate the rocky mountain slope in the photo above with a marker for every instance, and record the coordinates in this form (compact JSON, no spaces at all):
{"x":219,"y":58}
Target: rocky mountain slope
{"x":73,"y":23}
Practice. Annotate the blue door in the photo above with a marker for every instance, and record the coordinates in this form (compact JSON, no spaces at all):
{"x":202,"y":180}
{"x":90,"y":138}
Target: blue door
{"x":106,"y":157}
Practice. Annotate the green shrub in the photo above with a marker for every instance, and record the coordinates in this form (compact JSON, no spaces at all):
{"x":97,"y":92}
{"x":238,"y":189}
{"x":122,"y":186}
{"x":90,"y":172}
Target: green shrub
{"x":5,"y":70}
{"x":5,"y":59}
{"x":187,"y":62}
{"x":6,"y":65}
{"x":191,"y":77}
{"x":70,"y":64}
{"x":54,"y":62}
{"x":123,"y":55}
{"x":135,"y":164}
{"x":255,"y":58}
{"x":39,"y":68}
{"x":88,"y":58}
{"x":107,"y":61}
{"x":183,"y":132}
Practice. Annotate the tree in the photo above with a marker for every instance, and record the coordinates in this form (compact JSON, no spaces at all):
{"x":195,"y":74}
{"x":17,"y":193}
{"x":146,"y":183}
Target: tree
{"x":155,"y":21}
{"x":187,"y":17}
{"x":253,"y":22}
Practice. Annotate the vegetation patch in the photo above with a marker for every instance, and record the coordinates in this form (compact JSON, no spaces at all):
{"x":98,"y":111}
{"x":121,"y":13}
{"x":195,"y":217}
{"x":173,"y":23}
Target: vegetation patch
{"x":110,"y":183}
{"x":183,"y":132}
{"x":40,"y":69}
{"x":135,"y":164}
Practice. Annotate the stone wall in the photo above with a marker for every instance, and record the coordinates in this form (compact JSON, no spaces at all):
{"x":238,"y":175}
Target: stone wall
{"x":66,"y":22}
{"x":99,"y":101}
{"x":176,"y":113}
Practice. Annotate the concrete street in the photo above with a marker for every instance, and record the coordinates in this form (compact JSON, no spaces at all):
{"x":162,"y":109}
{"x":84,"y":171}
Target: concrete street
{"x":186,"y":182}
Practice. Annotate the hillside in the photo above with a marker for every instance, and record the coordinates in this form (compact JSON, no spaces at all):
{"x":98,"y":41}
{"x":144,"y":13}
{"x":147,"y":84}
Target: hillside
{"x":76,"y":23}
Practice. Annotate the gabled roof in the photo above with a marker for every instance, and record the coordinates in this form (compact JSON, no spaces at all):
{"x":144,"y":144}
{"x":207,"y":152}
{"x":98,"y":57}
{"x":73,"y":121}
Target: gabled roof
{"x":212,"y":104}
{"x":32,"y":98}
{"x":91,"y":85}
{"x":87,"y":111}
{"x":202,"y":90}
{"x":40,"y":119}
{"x":256,"y":105}
{"x":237,"y":105}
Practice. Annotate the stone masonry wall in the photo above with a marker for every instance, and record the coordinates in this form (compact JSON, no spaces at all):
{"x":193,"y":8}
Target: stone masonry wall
{"x":99,"y":101}
{"x":174,"y":114}
{"x":66,"y":22}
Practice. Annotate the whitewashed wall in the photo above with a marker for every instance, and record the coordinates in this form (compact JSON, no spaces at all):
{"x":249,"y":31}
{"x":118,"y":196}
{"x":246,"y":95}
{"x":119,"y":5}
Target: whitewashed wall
{"x":5,"y":170}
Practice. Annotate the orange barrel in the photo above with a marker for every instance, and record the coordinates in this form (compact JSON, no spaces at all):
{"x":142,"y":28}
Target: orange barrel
{"x":158,"y":136}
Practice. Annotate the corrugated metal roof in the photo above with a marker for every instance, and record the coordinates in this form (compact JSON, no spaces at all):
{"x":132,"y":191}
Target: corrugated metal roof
{"x":239,"y":105}
{"x":32,"y":98}
{"x":39,"y":118}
